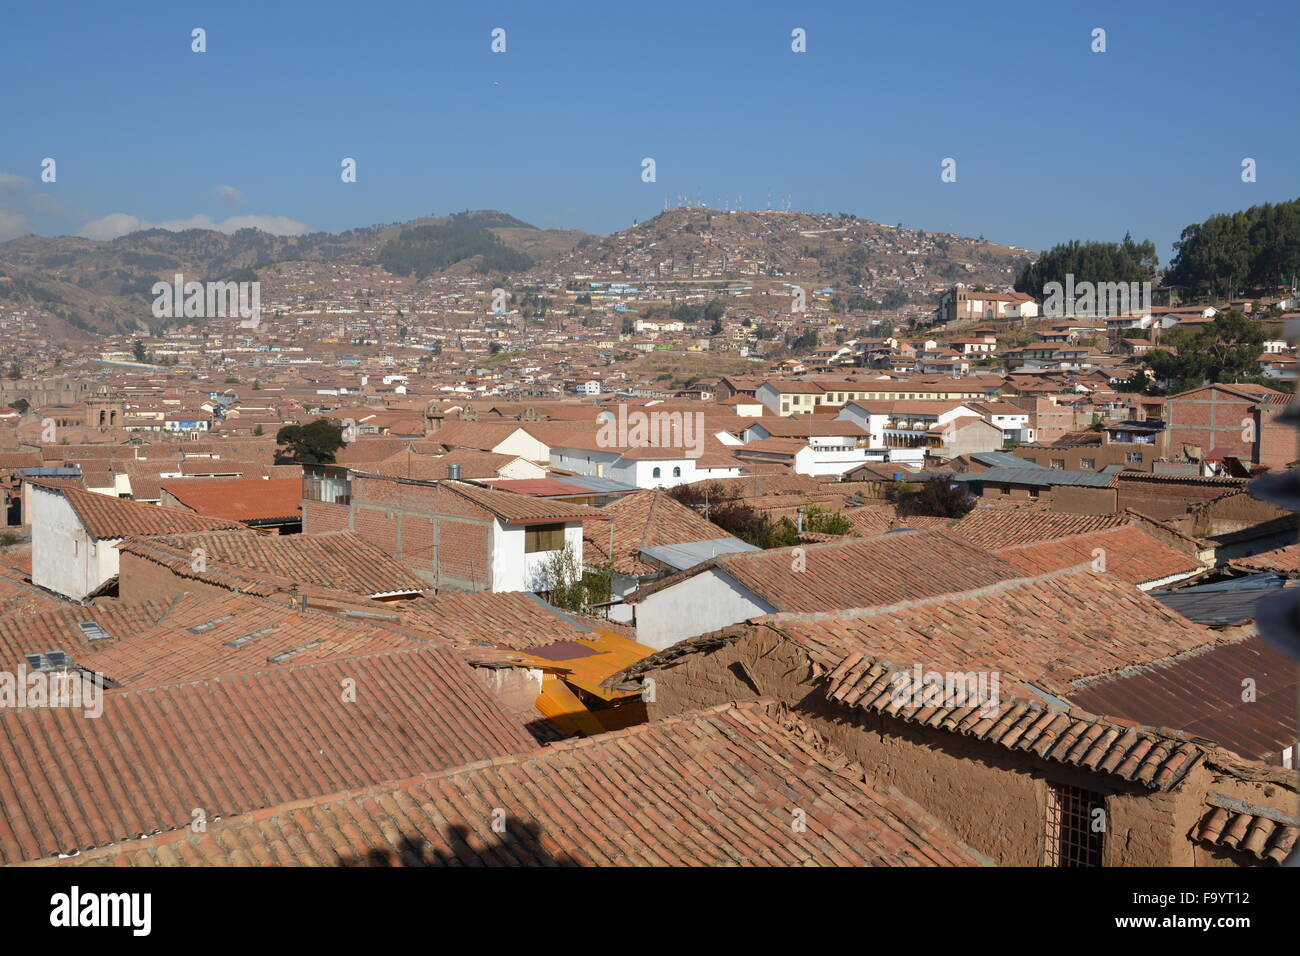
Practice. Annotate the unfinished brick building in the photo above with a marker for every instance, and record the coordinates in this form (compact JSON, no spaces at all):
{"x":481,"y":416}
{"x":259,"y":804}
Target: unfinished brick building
{"x":452,"y":534}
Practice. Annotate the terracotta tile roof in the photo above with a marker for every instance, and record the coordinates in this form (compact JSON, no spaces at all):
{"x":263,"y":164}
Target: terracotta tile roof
{"x":250,"y":499}
{"x":760,"y":485}
{"x":874,"y":519}
{"x":522,"y":509}
{"x":518,"y":620}
{"x":711,"y":788}
{"x":1049,"y":631}
{"x":473,"y":464}
{"x":1006,"y":527}
{"x":1201,"y":692}
{"x":262,"y":564}
{"x":803,"y":426}
{"x":236,"y":745}
{"x":1127,"y":551}
{"x":1281,"y":560}
{"x":856,"y":572}
{"x":1044,"y":636}
{"x":61,"y":630}
{"x":200,"y":639}
{"x":370,"y":448}
{"x":645,"y":519}
{"x":106,"y":518}
{"x":481,"y":435}
{"x":1239,"y":828}
{"x":18,"y":596}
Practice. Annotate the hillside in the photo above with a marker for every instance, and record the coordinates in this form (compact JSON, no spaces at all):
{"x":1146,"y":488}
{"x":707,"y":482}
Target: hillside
{"x":86,"y":285}
{"x":869,"y":263}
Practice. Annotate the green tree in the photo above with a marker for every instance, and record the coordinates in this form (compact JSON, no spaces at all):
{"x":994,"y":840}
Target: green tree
{"x":821,"y":520}
{"x":1125,"y":261}
{"x":313,"y":444}
{"x":1225,"y":350}
{"x":935,"y":497}
{"x":137,"y":351}
{"x":570,"y":586}
{"x":1229,"y":252}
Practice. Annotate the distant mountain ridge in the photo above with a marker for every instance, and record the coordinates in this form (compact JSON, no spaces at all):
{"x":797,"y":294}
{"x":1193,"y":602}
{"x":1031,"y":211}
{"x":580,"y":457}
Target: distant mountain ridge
{"x":103,"y":286}
{"x":92,"y":286}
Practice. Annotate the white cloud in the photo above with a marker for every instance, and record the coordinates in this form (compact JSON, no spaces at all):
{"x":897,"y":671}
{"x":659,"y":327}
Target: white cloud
{"x":10,"y":181}
{"x":12,"y":222}
{"x":275,"y":225}
{"x":111,"y":226}
{"x":12,"y":225}
{"x":230,"y":196}
{"x":119,"y":224}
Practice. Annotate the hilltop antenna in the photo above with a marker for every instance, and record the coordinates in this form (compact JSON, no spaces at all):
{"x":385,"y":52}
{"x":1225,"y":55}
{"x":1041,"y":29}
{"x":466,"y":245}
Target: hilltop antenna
{"x":787,"y":202}
{"x":769,"y":200}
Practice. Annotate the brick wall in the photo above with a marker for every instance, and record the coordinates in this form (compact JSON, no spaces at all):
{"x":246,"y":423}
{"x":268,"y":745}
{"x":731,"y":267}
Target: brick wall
{"x":1279,"y":444}
{"x":319,"y":517}
{"x":439,"y":535}
{"x":1209,"y":418}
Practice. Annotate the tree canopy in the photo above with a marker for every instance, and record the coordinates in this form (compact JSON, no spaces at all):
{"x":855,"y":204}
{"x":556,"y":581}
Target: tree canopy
{"x":1125,"y":261}
{"x":1225,"y":350}
{"x":1231,"y":252}
{"x":935,"y":497}
{"x":313,"y":444}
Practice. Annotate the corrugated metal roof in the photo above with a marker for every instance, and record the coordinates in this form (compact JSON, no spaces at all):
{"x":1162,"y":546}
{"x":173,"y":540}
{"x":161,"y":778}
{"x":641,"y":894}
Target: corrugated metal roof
{"x":1037,"y":475}
{"x":1213,"y":607}
{"x":679,"y":557}
{"x":1002,"y":459}
{"x":603,"y":485}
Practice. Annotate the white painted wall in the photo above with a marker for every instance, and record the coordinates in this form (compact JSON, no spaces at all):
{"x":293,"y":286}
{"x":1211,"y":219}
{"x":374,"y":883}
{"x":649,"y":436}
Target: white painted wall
{"x":65,"y":559}
{"x":696,"y":605}
{"x":522,"y":444}
{"x":822,"y":461}
{"x":588,"y":462}
{"x":521,"y":468}
{"x":512,"y":568}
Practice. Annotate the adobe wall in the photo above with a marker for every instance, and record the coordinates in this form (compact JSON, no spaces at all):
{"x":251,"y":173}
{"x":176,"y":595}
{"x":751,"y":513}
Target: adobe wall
{"x":1162,"y":499}
{"x":1082,"y":500}
{"x":140,"y":579}
{"x":993,"y":799}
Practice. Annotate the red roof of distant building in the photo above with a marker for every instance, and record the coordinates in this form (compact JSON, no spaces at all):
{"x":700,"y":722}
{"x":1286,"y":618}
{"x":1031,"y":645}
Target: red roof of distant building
{"x":246,"y":499}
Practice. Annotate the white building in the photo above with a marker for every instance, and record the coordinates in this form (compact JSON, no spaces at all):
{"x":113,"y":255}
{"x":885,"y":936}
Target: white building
{"x":75,"y":534}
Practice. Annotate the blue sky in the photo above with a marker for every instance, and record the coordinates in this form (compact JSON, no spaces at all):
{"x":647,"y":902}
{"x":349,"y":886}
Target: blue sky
{"x":1052,"y":141}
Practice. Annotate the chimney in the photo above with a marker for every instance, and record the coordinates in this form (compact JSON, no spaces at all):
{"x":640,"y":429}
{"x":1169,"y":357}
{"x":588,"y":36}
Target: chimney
{"x":453,"y":472}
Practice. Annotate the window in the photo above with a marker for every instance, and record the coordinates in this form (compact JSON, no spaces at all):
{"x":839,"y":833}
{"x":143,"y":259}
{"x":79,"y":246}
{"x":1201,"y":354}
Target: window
{"x":1133,"y":457}
{"x":677,"y":472}
{"x":327,"y":483}
{"x":1058,"y":464}
{"x":544,"y":537}
{"x":1074,"y":829}
{"x":656,"y":473}
{"x":1033,"y":492}
{"x":1087,"y":464}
